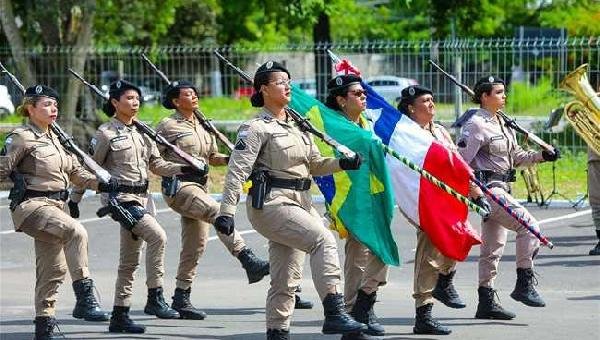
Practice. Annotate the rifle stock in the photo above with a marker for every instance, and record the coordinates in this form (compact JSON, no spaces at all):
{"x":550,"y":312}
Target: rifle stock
{"x":302,"y":122}
{"x":510,"y":122}
{"x":206,"y":123}
{"x":150,"y":132}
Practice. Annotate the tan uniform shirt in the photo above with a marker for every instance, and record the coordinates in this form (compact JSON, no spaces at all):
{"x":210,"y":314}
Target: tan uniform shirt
{"x":487,"y":144}
{"x":282,"y":149}
{"x":127,"y":154}
{"x":191,"y":137}
{"x":44,"y":164}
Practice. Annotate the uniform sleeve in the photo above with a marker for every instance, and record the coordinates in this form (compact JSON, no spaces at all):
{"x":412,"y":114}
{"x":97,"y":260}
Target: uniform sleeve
{"x":160,"y":166}
{"x":319,"y":165}
{"x":11,"y":155}
{"x":100,"y":147}
{"x":525,"y":158}
{"x":241,"y":162}
{"x":215,"y":157}
{"x":470,"y":141}
{"x":162,"y":130}
{"x":80,"y":177}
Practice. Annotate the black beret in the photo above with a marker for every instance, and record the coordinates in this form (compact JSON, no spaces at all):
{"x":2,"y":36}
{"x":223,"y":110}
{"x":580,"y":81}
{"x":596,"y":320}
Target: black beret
{"x":271,"y":66}
{"x":342,"y":81}
{"x":489,"y":80}
{"x":172,"y":90}
{"x":41,"y":91}
{"x":412,"y":92}
{"x":116,"y":89}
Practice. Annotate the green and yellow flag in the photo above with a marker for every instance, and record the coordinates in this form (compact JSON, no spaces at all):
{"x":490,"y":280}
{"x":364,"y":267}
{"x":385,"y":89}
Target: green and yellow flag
{"x":359,"y":201}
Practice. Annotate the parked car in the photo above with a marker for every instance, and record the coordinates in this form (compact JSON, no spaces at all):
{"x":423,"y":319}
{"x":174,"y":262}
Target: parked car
{"x":389,"y":87}
{"x":6,"y":105}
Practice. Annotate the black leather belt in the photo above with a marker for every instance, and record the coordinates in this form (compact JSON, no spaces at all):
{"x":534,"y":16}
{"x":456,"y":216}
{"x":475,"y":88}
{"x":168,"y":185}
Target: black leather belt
{"x":62,"y":195}
{"x":142,"y":188}
{"x":300,"y":184}
{"x":193,"y":178}
{"x":487,"y":176}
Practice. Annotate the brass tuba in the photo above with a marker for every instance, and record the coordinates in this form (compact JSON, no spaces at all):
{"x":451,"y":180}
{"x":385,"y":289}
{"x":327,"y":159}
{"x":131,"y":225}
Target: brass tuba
{"x":583,"y":113}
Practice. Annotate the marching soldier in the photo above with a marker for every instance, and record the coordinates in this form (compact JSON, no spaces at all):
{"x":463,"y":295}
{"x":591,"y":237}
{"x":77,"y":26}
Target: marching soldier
{"x":594,"y":193}
{"x":42,"y":170}
{"x":364,"y":273}
{"x":279,"y":158}
{"x":128,"y":154}
{"x":434,"y":272}
{"x":491,"y":149}
{"x":187,"y":194}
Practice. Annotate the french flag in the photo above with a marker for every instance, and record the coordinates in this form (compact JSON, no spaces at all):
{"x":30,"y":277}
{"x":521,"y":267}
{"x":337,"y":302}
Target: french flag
{"x":436,"y":212}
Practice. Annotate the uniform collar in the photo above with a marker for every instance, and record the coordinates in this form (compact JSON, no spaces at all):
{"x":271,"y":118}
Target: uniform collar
{"x":487,"y":115}
{"x":180,"y":117}
{"x":119,"y":124}
{"x":37,"y":131}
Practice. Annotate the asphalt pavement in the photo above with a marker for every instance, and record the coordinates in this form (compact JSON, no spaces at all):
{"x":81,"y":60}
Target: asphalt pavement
{"x":569,"y":281}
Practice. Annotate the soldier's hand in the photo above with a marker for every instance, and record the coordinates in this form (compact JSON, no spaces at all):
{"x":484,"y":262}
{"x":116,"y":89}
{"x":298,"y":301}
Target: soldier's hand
{"x":73,"y":209}
{"x":350,"y":163}
{"x":483,"y":203}
{"x":111,"y":186}
{"x":224,"y":225}
{"x":551,"y":157}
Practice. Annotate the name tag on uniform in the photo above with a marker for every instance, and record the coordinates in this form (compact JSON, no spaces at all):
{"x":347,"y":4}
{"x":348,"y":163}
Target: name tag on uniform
{"x":500,"y":137}
{"x":118,"y":138}
{"x":183,"y":134}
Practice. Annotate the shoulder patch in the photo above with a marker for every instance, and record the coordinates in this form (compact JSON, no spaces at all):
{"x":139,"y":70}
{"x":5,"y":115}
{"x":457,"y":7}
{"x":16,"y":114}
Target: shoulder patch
{"x":240,"y":145}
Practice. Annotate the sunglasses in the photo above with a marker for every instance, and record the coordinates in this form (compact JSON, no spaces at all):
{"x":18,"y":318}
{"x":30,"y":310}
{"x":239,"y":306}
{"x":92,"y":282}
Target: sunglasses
{"x":358,"y":93}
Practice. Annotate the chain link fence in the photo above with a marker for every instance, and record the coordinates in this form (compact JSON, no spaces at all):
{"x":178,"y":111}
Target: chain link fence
{"x":532,"y":68}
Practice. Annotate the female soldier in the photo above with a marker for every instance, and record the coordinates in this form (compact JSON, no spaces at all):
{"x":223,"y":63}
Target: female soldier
{"x":42,"y":170}
{"x":127,"y":154}
{"x":279,"y":158}
{"x":187,"y":195}
{"x":363,"y":271}
{"x":491,"y":149}
{"x":430,"y":265}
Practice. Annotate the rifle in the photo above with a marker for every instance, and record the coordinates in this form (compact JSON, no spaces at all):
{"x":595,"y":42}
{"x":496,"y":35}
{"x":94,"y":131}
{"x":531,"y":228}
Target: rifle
{"x":144,"y":128}
{"x":206,"y":123}
{"x":302,"y":122}
{"x":118,"y":212}
{"x":510,"y":122}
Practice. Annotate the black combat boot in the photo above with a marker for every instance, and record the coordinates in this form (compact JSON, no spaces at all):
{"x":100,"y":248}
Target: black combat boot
{"x":362,"y":311}
{"x":596,"y":249}
{"x":181,"y":303}
{"x":488,"y":308}
{"x":525,"y":290}
{"x":337,"y":320}
{"x":44,"y":328}
{"x":278,"y":334}
{"x":87,"y":307}
{"x":425,"y":324}
{"x":446,"y":293}
{"x":302,"y":304}
{"x":156,"y":305}
{"x":121,"y":323}
{"x":256,"y":268}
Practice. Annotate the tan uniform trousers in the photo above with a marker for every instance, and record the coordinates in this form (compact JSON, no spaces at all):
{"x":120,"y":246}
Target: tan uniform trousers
{"x":594,"y":191}
{"x":198,"y":212}
{"x":148,"y":230}
{"x":362,"y":270}
{"x":292,"y":233}
{"x":493,"y":237}
{"x":429,"y":262}
{"x":60,"y":243}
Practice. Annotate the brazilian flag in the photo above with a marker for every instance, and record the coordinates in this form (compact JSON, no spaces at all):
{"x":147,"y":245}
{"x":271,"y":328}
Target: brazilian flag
{"x":359,"y":201}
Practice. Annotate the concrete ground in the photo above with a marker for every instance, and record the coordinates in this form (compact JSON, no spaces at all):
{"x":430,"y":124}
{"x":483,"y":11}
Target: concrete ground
{"x":569,"y":281}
